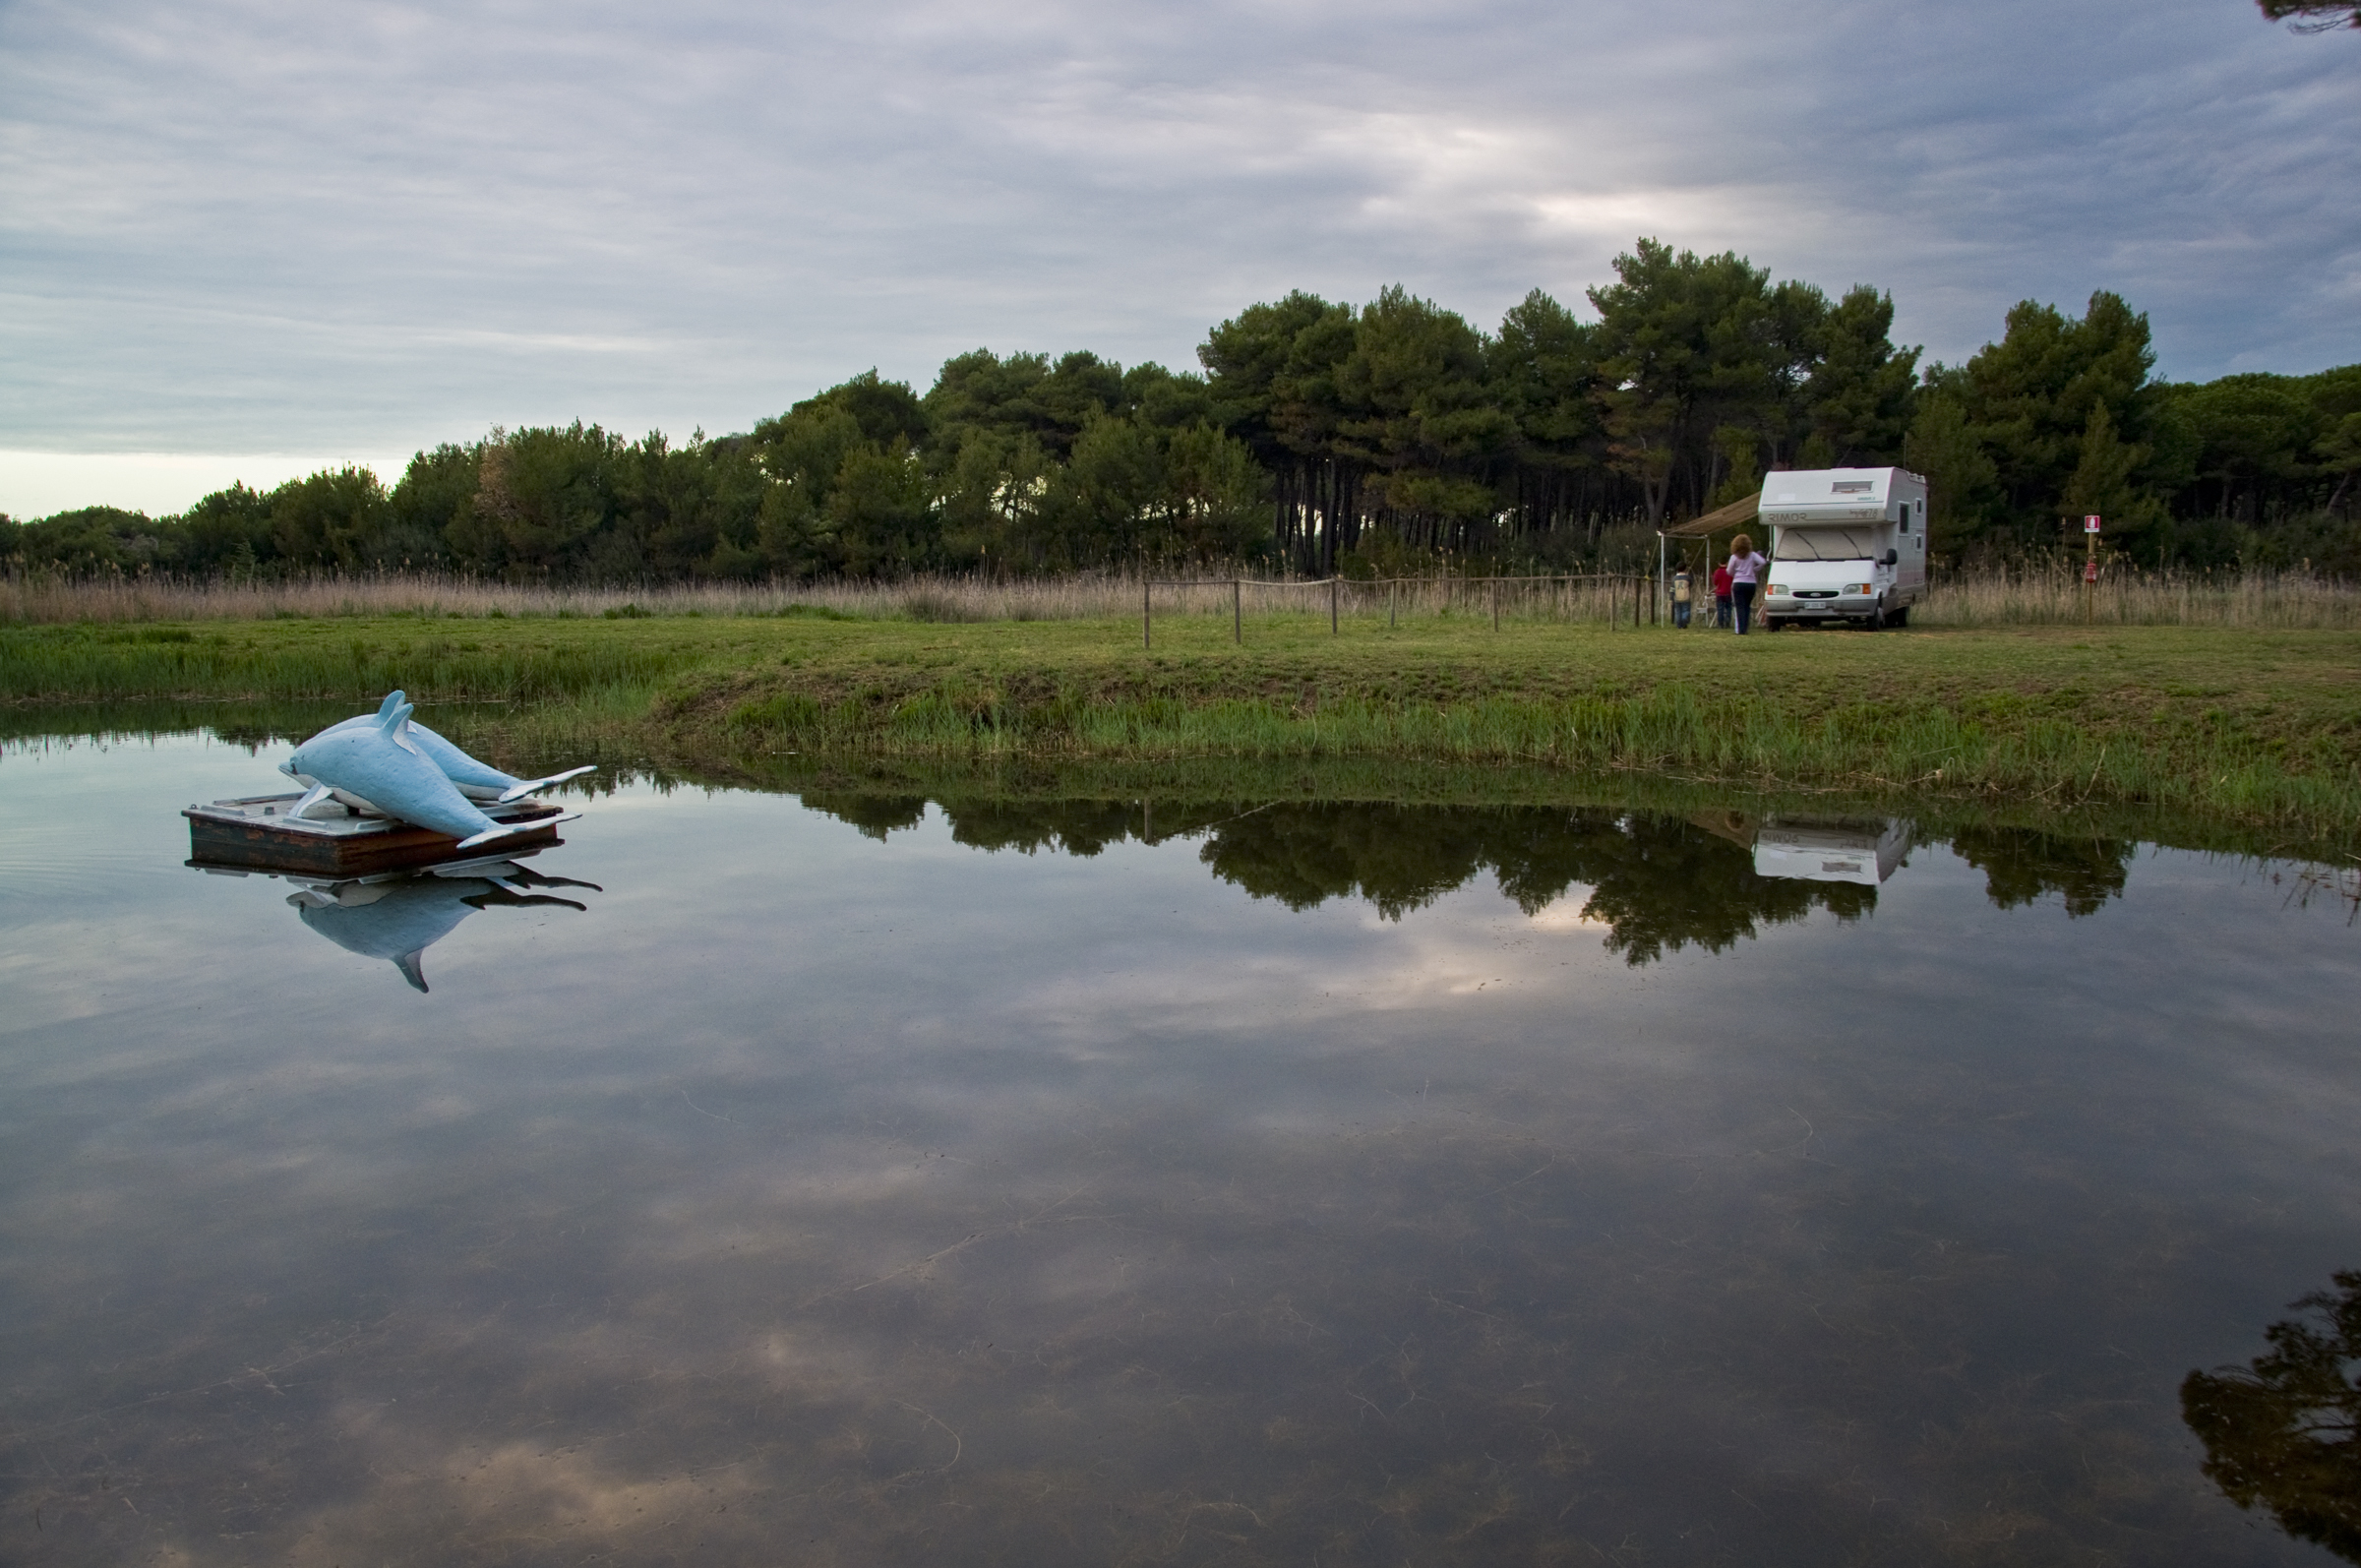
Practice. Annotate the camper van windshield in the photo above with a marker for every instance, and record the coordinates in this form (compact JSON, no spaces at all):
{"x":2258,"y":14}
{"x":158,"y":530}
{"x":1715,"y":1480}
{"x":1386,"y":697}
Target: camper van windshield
{"x":1825,"y":544}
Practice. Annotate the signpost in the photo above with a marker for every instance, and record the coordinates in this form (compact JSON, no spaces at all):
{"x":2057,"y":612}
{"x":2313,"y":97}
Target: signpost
{"x":2090,"y":567}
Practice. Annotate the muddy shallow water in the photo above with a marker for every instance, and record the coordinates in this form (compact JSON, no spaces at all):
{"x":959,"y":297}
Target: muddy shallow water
{"x":841,"y":1180}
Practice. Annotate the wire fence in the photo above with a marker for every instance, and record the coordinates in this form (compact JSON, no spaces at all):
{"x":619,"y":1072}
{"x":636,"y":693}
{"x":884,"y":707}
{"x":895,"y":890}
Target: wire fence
{"x":2022,"y":595}
{"x":1596,"y":597}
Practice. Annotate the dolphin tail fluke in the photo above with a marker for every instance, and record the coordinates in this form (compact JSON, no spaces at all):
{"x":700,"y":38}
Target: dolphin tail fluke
{"x":518,"y":792}
{"x":526,"y":876}
{"x":412,"y":968}
{"x":500,"y":831}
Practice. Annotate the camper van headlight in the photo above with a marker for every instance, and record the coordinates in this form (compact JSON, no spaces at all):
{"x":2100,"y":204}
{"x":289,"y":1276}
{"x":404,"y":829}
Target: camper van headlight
{"x":1859,"y":587}
{"x":1779,"y":590}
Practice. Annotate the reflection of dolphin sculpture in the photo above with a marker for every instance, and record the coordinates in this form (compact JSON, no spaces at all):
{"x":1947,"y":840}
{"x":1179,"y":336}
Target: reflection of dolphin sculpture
{"x":400,"y":919}
{"x":478,"y":781}
{"x":376,"y":761}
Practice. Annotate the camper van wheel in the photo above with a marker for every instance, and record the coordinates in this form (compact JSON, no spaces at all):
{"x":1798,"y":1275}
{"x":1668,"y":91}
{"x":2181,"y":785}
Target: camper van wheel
{"x":1877,"y":618}
{"x":1900,"y":617}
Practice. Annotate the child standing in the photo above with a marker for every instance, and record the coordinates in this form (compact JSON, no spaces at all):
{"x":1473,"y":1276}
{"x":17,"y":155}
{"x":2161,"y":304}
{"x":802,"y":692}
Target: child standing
{"x":1681,"y":599}
{"x":1722,"y":584}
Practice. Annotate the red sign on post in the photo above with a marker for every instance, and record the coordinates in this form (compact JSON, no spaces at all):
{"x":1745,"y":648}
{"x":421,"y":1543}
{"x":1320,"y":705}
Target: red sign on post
{"x":2090,"y":523}
{"x":2089,"y":572}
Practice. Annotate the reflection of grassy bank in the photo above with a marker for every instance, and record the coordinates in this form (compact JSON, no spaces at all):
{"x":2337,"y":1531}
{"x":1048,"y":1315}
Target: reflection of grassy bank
{"x":1658,"y":869}
{"x":2260,"y":729}
{"x":1181,"y":794}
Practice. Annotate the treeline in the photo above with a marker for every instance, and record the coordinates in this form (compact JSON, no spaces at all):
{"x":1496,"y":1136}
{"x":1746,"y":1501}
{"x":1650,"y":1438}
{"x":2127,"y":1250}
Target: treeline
{"x":1325,"y":437}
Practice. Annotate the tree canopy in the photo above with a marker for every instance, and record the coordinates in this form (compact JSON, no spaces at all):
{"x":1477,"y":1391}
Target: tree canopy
{"x":2314,"y":16}
{"x":1332,"y":437}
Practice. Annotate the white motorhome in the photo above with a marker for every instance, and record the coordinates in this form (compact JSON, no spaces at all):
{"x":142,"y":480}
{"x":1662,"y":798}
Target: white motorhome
{"x":1846,"y":544}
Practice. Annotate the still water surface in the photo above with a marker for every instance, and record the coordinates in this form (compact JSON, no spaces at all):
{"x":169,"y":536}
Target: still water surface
{"x":846,"y":1181}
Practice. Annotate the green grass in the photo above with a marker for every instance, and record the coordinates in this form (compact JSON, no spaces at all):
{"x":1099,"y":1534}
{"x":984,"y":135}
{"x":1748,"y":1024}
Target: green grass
{"x":2250,"y":727}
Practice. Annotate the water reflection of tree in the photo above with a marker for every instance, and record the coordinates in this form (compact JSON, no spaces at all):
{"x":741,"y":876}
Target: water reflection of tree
{"x":2020,"y":866}
{"x":1671,"y":883}
{"x":2284,"y":1430}
{"x":1078,"y":827}
{"x":1659,"y":882}
{"x":875,"y":814}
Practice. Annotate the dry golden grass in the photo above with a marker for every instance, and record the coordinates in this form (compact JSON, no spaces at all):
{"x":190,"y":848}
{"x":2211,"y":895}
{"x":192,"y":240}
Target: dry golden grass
{"x":1992,"y":597}
{"x":2262,"y":601}
{"x":1087,"y":596}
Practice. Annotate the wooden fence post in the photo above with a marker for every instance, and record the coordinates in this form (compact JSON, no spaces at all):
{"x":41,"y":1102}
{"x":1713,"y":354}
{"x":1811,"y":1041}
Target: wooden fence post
{"x":1147,"y":637}
{"x":1495,"y":604}
{"x":1238,"y":614}
{"x":1393,"y":595}
{"x":1332,"y":607}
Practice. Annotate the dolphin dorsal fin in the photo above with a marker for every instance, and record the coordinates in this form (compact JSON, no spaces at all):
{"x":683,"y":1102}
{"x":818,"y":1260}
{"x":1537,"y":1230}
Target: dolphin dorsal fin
{"x":394,"y":722}
{"x":411,"y":969}
{"x":394,"y":699}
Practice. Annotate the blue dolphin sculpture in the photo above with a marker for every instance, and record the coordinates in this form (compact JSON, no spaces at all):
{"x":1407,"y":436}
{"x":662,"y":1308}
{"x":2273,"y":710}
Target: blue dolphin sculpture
{"x":376,"y":760}
{"x":478,"y":781}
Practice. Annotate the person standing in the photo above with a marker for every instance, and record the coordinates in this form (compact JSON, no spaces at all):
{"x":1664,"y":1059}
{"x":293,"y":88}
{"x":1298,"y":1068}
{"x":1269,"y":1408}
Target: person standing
{"x":1721,"y":596}
{"x":1680,"y":600}
{"x":1745,"y":576}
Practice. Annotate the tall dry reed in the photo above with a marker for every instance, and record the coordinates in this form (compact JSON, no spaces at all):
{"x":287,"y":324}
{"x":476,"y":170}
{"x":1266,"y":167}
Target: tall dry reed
{"x":36,"y":599}
{"x":2032,"y":596}
{"x":2052,"y":595}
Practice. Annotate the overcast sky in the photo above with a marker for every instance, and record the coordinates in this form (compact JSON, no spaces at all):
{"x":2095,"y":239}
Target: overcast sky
{"x":235,"y":228}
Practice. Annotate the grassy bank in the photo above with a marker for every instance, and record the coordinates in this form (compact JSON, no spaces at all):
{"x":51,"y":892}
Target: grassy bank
{"x":2253,"y":727}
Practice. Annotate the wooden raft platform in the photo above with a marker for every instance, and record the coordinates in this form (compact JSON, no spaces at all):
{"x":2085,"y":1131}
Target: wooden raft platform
{"x":255,"y":832}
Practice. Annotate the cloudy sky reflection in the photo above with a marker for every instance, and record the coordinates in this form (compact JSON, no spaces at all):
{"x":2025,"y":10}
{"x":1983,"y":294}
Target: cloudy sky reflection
{"x":901,"y":1200}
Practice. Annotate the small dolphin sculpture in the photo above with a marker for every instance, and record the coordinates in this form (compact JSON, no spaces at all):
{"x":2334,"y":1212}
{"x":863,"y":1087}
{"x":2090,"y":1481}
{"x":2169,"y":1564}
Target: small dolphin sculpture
{"x":478,"y":781}
{"x":400,"y":920}
{"x":376,"y":761}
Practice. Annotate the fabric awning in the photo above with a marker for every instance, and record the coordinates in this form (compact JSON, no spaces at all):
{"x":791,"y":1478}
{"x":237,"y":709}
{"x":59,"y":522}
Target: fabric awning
{"x":1721,"y":519}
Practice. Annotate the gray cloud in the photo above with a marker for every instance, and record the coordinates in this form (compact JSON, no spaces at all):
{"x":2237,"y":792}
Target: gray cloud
{"x":255,"y":226}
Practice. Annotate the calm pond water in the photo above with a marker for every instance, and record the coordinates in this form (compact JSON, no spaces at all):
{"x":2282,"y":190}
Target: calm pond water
{"x":766,"y":1180}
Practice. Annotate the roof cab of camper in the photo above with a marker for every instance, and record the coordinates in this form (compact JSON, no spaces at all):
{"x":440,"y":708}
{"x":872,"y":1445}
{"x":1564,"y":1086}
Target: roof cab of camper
{"x":1846,"y":544}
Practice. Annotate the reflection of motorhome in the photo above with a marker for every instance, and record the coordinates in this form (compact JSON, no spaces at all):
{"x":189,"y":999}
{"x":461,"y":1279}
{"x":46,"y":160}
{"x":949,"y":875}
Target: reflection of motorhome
{"x":1864,"y":852}
{"x":1846,"y":544}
